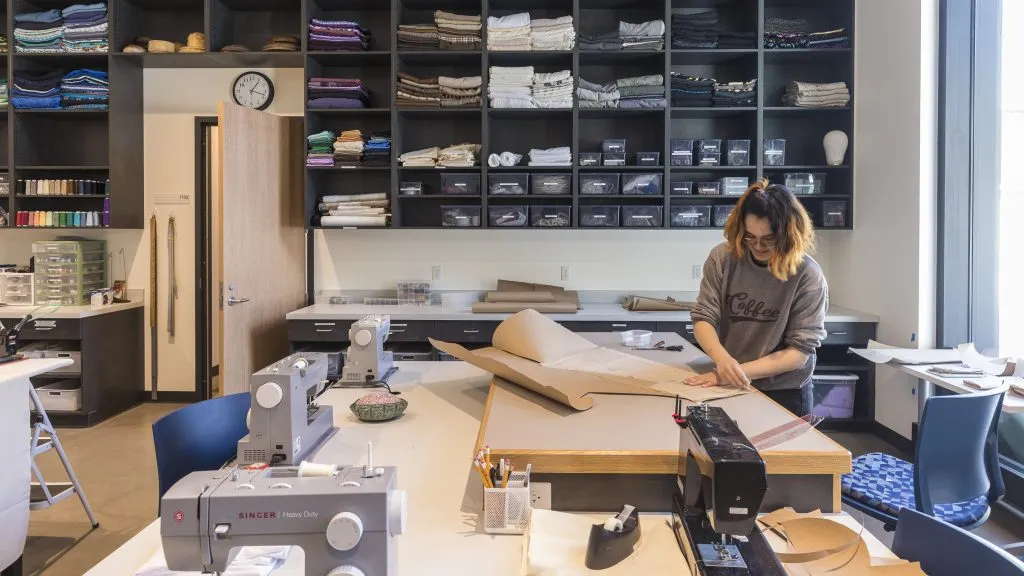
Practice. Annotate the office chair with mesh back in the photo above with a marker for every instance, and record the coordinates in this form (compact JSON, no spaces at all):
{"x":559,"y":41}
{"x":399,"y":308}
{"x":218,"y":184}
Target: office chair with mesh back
{"x":946,"y":550}
{"x":202,"y":436}
{"x":955,"y":475}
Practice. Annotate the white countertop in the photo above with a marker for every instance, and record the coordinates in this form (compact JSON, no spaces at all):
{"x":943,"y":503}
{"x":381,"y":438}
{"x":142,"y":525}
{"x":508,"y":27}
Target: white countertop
{"x":66,"y":312}
{"x":432,"y":445}
{"x":1011,"y":402}
{"x":29,"y":367}
{"x":597,"y":312}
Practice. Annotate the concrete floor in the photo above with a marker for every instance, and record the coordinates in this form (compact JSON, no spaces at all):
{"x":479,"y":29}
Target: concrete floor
{"x":116,"y":465}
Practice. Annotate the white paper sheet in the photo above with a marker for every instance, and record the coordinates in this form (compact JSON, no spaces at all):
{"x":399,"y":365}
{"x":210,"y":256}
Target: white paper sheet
{"x":884,"y":354}
{"x":970,"y":356}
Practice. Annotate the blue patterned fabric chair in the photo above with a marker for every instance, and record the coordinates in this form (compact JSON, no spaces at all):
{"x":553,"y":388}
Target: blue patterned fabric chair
{"x":955,"y":476}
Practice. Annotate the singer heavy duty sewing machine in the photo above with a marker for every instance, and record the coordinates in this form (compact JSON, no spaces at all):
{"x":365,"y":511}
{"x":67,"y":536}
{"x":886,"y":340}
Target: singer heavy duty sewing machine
{"x":285,"y":422}
{"x":722,"y":492}
{"x":367,"y":360}
{"x":345,"y":523}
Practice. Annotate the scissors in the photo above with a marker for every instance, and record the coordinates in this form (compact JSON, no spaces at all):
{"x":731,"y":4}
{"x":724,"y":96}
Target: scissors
{"x":661,"y":346}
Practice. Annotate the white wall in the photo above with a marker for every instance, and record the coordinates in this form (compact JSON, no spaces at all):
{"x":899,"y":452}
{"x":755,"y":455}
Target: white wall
{"x":886,"y":265}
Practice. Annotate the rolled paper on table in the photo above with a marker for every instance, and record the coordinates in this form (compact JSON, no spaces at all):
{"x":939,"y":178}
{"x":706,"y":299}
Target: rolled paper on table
{"x":512,"y":307}
{"x":520,"y":297}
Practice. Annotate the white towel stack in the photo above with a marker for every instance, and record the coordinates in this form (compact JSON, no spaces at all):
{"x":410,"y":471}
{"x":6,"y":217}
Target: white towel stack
{"x":354,"y":210}
{"x":561,"y":156}
{"x":553,"y":90}
{"x":425,"y":158}
{"x":458,"y":156}
{"x":811,"y":95}
{"x":511,"y":87}
{"x":509,"y":33}
{"x":552,"y":34}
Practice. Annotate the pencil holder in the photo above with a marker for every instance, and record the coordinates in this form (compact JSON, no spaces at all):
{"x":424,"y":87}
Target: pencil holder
{"x":507,"y":510}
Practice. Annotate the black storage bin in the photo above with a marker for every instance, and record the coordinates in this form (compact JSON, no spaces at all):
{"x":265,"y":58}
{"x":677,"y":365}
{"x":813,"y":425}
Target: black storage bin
{"x":550,"y":216}
{"x":507,"y":216}
{"x":508,"y":184}
{"x":460,"y":184}
{"x":599,"y":216}
{"x":642,"y":216}
{"x":834,"y":213}
{"x":599,"y":184}
{"x":547,"y":184}
{"x":641,"y":184}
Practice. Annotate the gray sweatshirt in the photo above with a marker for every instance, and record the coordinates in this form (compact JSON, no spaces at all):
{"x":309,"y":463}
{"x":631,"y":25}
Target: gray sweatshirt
{"x":756,"y":314}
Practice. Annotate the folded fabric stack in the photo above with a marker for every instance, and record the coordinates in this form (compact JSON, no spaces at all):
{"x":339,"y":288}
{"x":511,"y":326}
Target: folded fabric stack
{"x":695,"y":29}
{"x":458,"y":31}
{"x":593,"y":95}
{"x":810,"y":95}
{"x":692,"y":91}
{"x":785,"y":33}
{"x":425,"y":158}
{"x":838,"y":38}
{"x":3,"y":44}
{"x":510,"y":87}
{"x":36,"y":90}
{"x":85,"y":90}
{"x":414,"y":92}
{"x":642,"y":91}
{"x":561,"y":156}
{"x":602,"y":41}
{"x":354,"y":210}
{"x":85,"y":28}
{"x":348,"y":148}
{"x":552,"y":90}
{"x":510,"y":32}
{"x":3,"y":94}
{"x":337,"y":36}
{"x":642,"y":36}
{"x":377,"y":152}
{"x":458,"y":156}
{"x":417,"y":37}
{"x":38,"y":32}
{"x":777,"y":24}
{"x":552,"y":34}
{"x":460,"y":92}
{"x":736,"y":93}
{"x":337,"y":93}
{"x":320,"y":152}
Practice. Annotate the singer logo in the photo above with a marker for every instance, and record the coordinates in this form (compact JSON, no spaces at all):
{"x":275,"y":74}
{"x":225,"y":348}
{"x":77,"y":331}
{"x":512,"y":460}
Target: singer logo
{"x":179,"y":516}
{"x":257,"y":515}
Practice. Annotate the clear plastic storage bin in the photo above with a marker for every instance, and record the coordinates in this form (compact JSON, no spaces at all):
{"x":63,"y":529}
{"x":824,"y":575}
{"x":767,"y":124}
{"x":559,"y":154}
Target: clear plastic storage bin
{"x":734,"y":185}
{"x":545,"y":184}
{"x":833,"y":213}
{"x":410,"y":188}
{"x":738,"y":153}
{"x":641,"y":184}
{"x":460,"y":216}
{"x":680,"y":187}
{"x":690,"y":216}
{"x":642,"y":216}
{"x":709,"y":146}
{"x":590,"y":158}
{"x":602,"y":184}
{"x":613,"y":159}
{"x":709,"y":188}
{"x":508,"y":184}
{"x":69,"y":247}
{"x":613,"y":145}
{"x":94,"y":256}
{"x":460,"y":184}
{"x":774,"y":152}
{"x":69,"y":268}
{"x":804,"y":182}
{"x":709,"y":159}
{"x":507,"y":216}
{"x":16,"y":289}
{"x":681,"y":150}
{"x":721,"y":215}
{"x":550,"y":216}
{"x":648,"y":158}
{"x":414,"y":290}
{"x":834,"y":395}
{"x":599,"y":216}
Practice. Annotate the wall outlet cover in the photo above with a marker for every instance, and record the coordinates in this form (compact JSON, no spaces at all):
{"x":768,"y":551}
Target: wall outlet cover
{"x":540,"y":495}
{"x":698,"y":271}
{"x":566,"y":273}
{"x":435,"y":272}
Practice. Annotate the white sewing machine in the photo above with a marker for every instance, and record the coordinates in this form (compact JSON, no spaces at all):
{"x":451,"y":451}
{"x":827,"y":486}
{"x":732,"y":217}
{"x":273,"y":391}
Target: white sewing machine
{"x":367,"y":360}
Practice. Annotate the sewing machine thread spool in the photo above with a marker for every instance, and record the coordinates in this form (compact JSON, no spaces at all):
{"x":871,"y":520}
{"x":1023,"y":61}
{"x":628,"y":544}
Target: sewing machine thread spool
{"x":307,"y":469}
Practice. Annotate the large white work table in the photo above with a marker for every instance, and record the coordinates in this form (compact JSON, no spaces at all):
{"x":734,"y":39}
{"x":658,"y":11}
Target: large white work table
{"x":432,"y":446}
{"x":68,"y":312}
{"x":1011,"y":402}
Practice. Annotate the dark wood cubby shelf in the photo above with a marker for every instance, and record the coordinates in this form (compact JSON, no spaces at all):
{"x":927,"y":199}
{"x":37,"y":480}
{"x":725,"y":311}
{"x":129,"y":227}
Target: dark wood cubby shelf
{"x":87,"y":144}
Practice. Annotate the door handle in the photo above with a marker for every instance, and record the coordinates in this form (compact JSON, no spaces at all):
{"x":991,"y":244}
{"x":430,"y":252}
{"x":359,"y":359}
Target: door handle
{"x":233,"y":300}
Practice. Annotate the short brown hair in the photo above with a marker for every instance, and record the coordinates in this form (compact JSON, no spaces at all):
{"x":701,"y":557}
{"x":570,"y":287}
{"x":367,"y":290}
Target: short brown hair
{"x":789,"y":221}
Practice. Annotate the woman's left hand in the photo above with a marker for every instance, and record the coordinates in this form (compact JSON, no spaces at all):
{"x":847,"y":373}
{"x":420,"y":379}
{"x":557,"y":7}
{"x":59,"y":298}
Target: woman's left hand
{"x":703,"y":380}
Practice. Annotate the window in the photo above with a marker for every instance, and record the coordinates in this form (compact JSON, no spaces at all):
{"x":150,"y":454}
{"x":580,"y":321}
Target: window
{"x":1011,"y":188}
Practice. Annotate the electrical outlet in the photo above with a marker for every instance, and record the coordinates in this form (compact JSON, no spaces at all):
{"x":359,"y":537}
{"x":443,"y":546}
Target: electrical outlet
{"x":698,"y":271}
{"x":540,"y":495}
{"x":435,"y":272}
{"x":566,"y":273}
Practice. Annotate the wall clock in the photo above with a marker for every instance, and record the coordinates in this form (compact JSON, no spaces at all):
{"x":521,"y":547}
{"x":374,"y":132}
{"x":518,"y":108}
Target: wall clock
{"x":253,"y":90}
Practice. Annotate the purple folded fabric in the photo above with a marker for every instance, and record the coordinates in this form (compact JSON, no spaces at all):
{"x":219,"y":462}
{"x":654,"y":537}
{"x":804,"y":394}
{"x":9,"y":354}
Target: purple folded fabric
{"x":335,"y":103}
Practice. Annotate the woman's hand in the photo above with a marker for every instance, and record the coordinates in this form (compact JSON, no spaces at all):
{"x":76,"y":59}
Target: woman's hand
{"x":730,"y":373}
{"x":702,"y":380}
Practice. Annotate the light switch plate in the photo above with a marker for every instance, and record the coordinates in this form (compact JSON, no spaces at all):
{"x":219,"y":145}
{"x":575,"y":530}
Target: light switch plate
{"x":698,"y":271}
{"x":540,"y":495}
{"x":435,"y":272}
{"x":566,"y":273}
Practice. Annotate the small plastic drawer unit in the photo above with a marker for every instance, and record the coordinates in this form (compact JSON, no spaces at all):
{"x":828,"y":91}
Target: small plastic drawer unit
{"x":599,"y":216}
{"x":508,"y":184}
{"x":774,"y":152}
{"x":507,"y":216}
{"x":686,"y":216}
{"x":734,"y":185}
{"x":804,"y":182}
{"x":709,"y":159}
{"x":648,"y":158}
{"x":738,"y":153}
{"x":642,"y":216}
{"x":590,"y":158}
{"x":641,"y":184}
{"x":545,"y":184}
{"x":613,"y":145}
{"x":709,"y":188}
{"x":550,"y":216}
{"x":603,"y":184}
{"x":721,"y":215}
{"x":410,"y":188}
{"x":709,"y":146}
{"x":680,"y":187}
{"x":460,"y":216}
{"x":833,"y":214}
{"x":460,"y":184}
{"x":681,"y":152}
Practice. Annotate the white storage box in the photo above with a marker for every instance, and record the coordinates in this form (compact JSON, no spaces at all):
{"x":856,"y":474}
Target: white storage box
{"x":60,"y":396}
{"x":834,"y":395}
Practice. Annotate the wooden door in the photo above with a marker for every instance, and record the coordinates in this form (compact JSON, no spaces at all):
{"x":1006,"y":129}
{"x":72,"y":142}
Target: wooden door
{"x":260,"y":239}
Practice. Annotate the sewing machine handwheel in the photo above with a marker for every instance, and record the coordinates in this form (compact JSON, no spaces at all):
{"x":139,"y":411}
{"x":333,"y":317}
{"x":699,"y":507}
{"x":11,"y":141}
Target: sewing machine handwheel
{"x":344,"y":531}
{"x":346,"y":571}
{"x":269,"y":395}
{"x":363,"y":337}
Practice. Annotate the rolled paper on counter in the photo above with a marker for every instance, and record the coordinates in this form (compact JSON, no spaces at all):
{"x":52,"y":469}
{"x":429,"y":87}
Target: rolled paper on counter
{"x":520,"y":297}
{"x":512,"y":307}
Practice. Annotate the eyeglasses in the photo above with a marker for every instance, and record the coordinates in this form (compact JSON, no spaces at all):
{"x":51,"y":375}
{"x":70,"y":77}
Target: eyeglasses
{"x":766,"y":242}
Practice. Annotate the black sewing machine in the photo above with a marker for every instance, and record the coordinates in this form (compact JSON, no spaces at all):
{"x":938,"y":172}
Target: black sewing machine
{"x":9,"y":340}
{"x":720,"y":497}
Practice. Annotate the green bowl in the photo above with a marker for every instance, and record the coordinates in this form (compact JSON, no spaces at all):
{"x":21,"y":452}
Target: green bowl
{"x":379,"y":407}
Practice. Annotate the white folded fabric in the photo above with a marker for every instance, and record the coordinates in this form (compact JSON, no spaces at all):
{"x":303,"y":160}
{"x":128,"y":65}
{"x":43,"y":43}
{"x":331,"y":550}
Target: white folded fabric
{"x":561,"y":75}
{"x":380,"y":220}
{"x":510,"y":21}
{"x":353,"y":197}
{"x":502,"y":102}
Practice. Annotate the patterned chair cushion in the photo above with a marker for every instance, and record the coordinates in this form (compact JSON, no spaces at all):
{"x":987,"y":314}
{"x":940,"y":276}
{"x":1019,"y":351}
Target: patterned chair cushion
{"x":886,"y":484}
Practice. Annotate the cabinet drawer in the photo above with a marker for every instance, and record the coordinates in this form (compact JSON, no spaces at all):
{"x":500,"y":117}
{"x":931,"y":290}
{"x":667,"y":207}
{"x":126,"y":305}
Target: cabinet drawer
{"x":577,"y":326}
{"x":411,"y":330}
{"x":684,"y":329}
{"x":318,"y":330}
{"x":848,"y":333}
{"x":46,"y":329}
{"x":467,"y":332}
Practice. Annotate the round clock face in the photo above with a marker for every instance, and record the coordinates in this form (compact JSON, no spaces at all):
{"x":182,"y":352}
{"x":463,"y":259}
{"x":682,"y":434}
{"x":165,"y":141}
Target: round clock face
{"x":253,"y":90}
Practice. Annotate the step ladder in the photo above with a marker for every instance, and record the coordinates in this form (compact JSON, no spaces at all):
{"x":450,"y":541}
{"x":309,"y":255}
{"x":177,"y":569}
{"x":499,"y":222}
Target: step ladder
{"x":44,"y":439}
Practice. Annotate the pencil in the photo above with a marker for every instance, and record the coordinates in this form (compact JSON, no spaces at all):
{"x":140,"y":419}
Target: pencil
{"x":483,"y":475}
{"x":504,"y":481}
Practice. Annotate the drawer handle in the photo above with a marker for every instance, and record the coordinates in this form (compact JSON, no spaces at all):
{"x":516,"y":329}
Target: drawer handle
{"x":397,"y":332}
{"x":839,"y":333}
{"x":618,"y":325}
{"x":325,"y":330}
{"x":399,"y":325}
{"x":43,"y":328}
{"x":470,"y":331}
{"x":323,"y":323}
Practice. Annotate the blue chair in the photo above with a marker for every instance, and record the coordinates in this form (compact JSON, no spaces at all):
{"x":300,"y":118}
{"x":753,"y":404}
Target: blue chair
{"x":202,"y":436}
{"x":955,"y":476}
{"x":945,"y":550}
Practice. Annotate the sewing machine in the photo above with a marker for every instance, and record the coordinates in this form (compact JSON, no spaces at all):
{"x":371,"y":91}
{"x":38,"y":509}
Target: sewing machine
{"x":345,"y":523}
{"x":367,"y":360}
{"x":721,"y":493}
{"x":9,"y":340}
{"x":285,"y":422}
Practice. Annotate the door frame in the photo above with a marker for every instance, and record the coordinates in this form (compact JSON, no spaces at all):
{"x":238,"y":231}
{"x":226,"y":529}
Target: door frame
{"x":204,"y":295}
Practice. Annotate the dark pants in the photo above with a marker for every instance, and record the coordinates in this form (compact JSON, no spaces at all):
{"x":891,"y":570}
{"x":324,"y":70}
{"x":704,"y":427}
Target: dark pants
{"x":13,"y":569}
{"x":799,"y":401}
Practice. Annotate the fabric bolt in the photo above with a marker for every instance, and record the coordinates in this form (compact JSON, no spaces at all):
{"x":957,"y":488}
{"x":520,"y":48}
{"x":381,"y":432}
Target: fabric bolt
{"x":458,"y":31}
{"x":643,"y":29}
{"x":557,"y":34}
{"x":784,"y":40}
{"x":646,"y":102}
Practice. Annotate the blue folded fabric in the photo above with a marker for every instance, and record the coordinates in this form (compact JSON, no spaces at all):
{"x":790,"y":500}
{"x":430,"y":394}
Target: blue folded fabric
{"x":49,"y":16}
{"x":86,"y":73}
{"x":33,"y":103}
{"x":79,"y":8}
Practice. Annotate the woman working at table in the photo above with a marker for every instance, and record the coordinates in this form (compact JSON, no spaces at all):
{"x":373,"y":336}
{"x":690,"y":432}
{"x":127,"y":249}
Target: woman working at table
{"x":760,"y":314}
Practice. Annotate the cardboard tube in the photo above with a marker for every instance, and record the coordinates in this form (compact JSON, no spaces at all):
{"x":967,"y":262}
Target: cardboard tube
{"x":519,"y":297}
